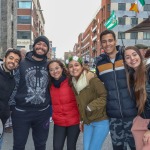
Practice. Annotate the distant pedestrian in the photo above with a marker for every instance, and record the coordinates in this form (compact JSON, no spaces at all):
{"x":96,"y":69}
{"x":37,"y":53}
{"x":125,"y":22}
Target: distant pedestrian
{"x":32,"y":99}
{"x":91,"y":98}
{"x":86,"y":64}
{"x":64,"y":106}
{"x":142,"y":48}
{"x":23,"y":52}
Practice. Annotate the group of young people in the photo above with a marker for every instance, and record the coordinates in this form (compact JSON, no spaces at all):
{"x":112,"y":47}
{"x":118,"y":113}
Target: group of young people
{"x":115,"y":99}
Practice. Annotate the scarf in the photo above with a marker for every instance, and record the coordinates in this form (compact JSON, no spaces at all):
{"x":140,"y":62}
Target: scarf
{"x":57,"y":83}
{"x":81,"y":83}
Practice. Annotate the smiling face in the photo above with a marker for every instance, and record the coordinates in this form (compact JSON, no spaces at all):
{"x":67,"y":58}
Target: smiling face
{"x":132,"y":58}
{"x":11,"y":62}
{"x":75,"y":68}
{"x":41,"y":48}
{"x":55,"y":70}
{"x":108,"y":44}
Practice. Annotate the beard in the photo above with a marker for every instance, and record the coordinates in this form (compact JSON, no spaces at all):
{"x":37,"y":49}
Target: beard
{"x":7,"y":68}
{"x":37,"y":55}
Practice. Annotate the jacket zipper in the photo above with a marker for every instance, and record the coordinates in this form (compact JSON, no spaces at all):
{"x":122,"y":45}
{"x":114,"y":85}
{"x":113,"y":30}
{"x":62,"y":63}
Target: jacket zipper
{"x":117,"y":89}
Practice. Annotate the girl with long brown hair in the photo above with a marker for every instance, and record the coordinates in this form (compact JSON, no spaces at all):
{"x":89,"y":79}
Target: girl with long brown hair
{"x":138,"y":81}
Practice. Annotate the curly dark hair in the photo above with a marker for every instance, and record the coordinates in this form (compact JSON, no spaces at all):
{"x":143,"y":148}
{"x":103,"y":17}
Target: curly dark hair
{"x":65,"y":71}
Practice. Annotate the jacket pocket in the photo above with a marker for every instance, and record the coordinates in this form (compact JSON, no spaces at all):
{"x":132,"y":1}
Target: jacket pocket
{"x":93,"y":115}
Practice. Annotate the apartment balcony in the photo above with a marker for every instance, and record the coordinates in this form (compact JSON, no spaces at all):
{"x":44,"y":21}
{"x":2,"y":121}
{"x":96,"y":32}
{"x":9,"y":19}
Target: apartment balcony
{"x":94,"y":38}
{"x":85,"y":38}
{"x":94,"y":48}
{"x":94,"y":29}
{"x":85,"y":45}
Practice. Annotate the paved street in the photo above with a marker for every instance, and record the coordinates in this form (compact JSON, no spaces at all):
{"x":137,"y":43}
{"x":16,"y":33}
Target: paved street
{"x":8,"y":142}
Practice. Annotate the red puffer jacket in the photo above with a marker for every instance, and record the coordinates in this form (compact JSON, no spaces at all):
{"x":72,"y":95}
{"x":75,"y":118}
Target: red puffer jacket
{"x":64,"y":106}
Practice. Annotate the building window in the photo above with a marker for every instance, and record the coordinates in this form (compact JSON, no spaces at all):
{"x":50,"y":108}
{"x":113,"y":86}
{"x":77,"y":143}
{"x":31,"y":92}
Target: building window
{"x":121,"y":35}
{"x":108,"y":7}
{"x":134,"y":35}
{"x":146,"y":35}
{"x":134,"y":21}
{"x":24,"y":4}
{"x":121,"y":6}
{"x":24,"y":20}
{"x":19,"y":47}
{"x":23,"y":35}
{"x":147,"y":7}
{"x":121,"y":21}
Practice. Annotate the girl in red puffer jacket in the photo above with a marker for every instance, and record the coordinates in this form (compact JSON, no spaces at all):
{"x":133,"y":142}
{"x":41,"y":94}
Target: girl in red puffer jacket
{"x":65,"y":111}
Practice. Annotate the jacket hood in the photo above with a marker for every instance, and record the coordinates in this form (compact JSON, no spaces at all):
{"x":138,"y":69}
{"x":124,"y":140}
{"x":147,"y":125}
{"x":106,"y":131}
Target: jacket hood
{"x":29,"y":57}
{"x":90,"y":75}
{"x":6,"y":74}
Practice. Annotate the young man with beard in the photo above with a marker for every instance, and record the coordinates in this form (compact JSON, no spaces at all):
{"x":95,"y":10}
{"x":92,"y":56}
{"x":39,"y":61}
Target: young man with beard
{"x":7,"y":82}
{"x":121,"y":107}
{"x":32,"y":98}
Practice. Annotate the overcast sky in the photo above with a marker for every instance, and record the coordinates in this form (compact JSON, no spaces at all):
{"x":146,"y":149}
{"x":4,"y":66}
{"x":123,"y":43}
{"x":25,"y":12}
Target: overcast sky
{"x":66,"y":19}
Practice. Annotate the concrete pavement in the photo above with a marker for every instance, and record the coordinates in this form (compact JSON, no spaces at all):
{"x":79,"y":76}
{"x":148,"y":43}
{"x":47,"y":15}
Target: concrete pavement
{"x":29,"y":146}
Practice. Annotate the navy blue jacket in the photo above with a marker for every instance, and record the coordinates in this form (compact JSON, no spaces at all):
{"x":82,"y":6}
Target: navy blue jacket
{"x":120,"y":103}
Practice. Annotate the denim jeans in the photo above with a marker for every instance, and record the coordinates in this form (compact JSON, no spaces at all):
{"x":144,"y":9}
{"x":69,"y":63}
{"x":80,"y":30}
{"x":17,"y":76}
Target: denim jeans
{"x":94,"y":135}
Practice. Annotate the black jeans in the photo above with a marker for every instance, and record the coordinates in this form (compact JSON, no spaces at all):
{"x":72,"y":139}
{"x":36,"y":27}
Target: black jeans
{"x":23,"y":121}
{"x":60,"y":134}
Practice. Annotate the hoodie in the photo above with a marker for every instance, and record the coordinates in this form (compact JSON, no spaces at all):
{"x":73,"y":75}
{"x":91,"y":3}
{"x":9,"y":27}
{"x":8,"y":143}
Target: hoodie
{"x":32,"y":84}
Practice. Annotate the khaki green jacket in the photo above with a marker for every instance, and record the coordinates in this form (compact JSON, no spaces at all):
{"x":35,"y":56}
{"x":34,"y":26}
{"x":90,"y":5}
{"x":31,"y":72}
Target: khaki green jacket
{"x":93,"y":96}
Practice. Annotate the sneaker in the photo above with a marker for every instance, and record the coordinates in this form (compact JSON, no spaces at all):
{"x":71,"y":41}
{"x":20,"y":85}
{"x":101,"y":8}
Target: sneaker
{"x":8,"y":130}
{"x":50,"y":119}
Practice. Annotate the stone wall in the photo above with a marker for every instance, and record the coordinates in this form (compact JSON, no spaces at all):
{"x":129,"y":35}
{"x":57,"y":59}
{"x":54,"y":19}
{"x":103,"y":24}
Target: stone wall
{"x":8,"y":26}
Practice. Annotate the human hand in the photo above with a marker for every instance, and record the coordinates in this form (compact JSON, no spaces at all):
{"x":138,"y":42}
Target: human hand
{"x":146,"y":137}
{"x":81,"y":126}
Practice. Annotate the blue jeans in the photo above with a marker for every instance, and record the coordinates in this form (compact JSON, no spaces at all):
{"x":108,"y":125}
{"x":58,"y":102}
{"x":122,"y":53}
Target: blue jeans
{"x":94,"y":135}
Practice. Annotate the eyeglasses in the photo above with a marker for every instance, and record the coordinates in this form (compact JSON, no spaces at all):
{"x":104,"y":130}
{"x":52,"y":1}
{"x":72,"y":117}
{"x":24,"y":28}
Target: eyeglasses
{"x":53,"y":70}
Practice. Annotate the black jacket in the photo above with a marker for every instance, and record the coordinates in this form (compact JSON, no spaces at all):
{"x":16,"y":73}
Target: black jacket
{"x":32,"y":84}
{"x":120,"y":103}
{"x":7,"y":84}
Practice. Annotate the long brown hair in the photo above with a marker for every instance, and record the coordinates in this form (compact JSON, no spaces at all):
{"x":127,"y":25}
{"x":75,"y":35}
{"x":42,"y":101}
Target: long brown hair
{"x":137,"y":80}
{"x":65,"y":71}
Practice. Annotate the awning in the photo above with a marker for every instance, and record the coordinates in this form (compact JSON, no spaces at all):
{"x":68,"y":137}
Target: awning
{"x":144,"y":26}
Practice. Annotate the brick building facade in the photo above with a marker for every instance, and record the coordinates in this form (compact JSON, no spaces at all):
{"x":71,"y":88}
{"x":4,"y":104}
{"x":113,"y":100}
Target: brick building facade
{"x":88,"y":45}
{"x":30,"y":22}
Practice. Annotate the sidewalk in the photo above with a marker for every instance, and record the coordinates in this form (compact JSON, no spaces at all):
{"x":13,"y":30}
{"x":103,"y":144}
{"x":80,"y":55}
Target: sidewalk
{"x":29,"y":146}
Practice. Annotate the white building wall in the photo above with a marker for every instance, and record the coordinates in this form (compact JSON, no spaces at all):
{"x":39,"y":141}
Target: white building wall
{"x":128,"y":15}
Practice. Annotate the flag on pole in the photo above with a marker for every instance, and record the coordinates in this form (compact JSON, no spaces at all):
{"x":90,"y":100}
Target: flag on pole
{"x":137,"y":6}
{"x":111,"y":22}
